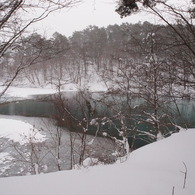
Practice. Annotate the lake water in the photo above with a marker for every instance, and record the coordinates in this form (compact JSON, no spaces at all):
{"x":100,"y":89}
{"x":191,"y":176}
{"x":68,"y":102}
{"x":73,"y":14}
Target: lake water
{"x":99,"y":105}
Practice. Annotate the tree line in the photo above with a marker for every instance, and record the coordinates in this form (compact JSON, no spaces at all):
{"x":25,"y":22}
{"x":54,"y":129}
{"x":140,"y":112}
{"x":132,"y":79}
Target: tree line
{"x":138,"y":49}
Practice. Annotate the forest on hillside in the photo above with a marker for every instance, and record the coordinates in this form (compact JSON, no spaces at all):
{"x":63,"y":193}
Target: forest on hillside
{"x":145,"y":55}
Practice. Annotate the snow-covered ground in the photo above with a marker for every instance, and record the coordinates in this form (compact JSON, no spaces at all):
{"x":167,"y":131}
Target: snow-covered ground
{"x":93,"y":83}
{"x":19,"y":92}
{"x":19,"y":131}
{"x":155,"y":169}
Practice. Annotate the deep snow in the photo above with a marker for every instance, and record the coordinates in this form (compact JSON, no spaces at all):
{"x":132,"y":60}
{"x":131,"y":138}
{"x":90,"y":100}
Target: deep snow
{"x":19,"y":131}
{"x":151,"y":170}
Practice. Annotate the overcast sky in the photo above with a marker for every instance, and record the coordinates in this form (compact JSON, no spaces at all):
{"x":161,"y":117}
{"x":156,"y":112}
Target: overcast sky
{"x":90,"y":12}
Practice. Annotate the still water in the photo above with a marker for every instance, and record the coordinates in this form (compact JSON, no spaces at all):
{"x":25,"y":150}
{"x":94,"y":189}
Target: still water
{"x":98,"y":105}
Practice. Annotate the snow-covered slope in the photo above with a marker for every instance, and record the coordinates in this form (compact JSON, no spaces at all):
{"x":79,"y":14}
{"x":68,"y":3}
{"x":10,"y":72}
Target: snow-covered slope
{"x":152,"y":170}
{"x":19,"y":131}
{"x":25,"y":92}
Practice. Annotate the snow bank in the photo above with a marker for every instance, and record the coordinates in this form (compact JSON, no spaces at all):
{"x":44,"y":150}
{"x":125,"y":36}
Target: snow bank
{"x":152,"y":170}
{"x":19,"y":131}
{"x":25,"y":92}
{"x":18,"y":92}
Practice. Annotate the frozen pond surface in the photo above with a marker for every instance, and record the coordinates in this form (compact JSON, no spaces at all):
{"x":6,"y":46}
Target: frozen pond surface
{"x":50,"y":154}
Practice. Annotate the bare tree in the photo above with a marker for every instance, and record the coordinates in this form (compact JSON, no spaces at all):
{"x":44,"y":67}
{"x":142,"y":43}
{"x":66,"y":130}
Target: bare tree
{"x":16,"y":17}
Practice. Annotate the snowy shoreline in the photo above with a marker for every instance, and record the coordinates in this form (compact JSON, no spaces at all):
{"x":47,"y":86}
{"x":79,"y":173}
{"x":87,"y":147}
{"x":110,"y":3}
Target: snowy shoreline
{"x":154,"y":169}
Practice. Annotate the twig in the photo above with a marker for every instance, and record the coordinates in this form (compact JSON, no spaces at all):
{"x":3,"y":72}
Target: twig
{"x":185,"y":175}
{"x":173,"y":190}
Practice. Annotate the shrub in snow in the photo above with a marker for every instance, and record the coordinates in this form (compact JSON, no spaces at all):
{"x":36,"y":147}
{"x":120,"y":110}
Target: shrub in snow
{"x":90,"y":162}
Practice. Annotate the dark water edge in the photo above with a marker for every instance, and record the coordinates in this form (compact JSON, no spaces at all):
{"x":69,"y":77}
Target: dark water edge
{"x":181,"y":114}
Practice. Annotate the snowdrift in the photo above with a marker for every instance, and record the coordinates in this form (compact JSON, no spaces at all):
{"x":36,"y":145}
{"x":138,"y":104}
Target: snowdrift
{"x":155,"y":169}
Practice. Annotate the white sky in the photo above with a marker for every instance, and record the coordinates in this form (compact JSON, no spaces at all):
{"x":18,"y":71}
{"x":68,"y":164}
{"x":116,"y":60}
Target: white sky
{"x":90,"y":12}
